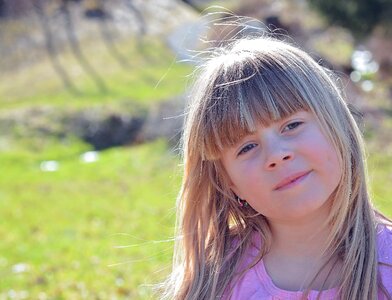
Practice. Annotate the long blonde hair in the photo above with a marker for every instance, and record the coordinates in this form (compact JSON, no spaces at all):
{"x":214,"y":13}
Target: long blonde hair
{"x":246,"y":82}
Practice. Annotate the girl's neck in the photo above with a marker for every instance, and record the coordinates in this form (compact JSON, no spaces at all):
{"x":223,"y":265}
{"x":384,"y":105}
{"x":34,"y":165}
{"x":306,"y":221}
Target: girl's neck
{"x":299,"y":240}
{"x":302,"y":237}
{"x":296,"y":253}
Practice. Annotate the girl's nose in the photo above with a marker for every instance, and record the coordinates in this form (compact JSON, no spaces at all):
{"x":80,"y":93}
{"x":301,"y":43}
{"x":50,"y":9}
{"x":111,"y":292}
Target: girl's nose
{"x":276,"y":155}
{"x":274,"y":163}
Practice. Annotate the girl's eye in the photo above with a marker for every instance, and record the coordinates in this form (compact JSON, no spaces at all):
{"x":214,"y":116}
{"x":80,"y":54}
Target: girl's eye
{"x":292,"y":125}
{"x":246,"y":148}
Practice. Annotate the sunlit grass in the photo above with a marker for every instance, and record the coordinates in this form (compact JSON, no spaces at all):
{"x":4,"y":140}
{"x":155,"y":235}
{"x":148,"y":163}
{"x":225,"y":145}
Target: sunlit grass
{"x":340,"y":46}
{"x":149,"y":75}
{"x":61,"y":228}
{"x":380,"y":171}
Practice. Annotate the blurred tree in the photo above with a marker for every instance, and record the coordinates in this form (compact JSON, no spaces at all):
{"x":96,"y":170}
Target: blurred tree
{"x":44,"y":20}
{"x":358,"y":16}
{"x":94,"y":9}
{"x":76,"y":48}
{"x":2,"y":8}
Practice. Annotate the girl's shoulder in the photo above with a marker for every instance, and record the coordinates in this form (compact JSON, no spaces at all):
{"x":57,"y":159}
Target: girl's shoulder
{"x":384,"y":243}
{"x":245,"y":283}
{"x":384,"y":248}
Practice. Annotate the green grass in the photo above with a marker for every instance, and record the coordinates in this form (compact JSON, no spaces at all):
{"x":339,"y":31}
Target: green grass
{"x":152,"y":74}
{"x":65,"y":225}
{"x":340,"y":46}
{"x":62,"y":229}
{"x":380,"y":173}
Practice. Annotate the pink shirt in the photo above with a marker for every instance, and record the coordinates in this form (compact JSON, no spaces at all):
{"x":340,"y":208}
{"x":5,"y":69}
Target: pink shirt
{"x":257,"y":284}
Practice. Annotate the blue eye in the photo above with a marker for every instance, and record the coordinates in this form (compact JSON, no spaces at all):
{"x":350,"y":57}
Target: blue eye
{"x":292,"y":125}
{"x":247,"y":148}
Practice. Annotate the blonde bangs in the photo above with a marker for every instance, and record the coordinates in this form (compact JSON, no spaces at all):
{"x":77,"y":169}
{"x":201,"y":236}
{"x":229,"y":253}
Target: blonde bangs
{"x":248,"y":94}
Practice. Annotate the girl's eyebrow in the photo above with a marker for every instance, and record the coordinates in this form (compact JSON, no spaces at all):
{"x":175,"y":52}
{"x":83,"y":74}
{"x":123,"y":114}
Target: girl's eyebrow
{"x":249,"y":134}
{"x":242,"y":140}
{"x":293,"y":115}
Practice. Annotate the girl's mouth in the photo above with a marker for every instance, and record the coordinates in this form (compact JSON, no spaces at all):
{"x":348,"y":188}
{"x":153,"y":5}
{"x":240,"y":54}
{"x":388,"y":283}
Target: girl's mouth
{"x":291,"y":180}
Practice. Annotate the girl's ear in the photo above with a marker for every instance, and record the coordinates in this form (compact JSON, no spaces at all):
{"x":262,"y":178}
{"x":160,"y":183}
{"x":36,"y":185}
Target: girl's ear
{"x":235,"y":190}
{"x":226,"y":178}
{"x":233,"y":187}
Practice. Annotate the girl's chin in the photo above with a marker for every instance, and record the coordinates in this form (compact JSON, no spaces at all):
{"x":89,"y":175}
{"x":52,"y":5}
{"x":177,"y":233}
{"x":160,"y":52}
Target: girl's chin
{"x":298,"y":213}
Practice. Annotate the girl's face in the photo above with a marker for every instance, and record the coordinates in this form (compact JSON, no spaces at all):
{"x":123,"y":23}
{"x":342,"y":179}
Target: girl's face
{"x":285,"y":171}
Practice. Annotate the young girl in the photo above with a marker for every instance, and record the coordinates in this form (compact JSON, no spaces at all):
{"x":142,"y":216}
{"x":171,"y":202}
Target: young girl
{"x":274,"y":202}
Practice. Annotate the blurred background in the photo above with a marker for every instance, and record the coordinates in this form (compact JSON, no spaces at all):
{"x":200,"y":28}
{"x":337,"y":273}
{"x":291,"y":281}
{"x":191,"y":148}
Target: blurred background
{"x":91,"y":101}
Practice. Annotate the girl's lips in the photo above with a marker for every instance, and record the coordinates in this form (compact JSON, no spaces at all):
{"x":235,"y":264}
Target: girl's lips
{"x":291,"y":180}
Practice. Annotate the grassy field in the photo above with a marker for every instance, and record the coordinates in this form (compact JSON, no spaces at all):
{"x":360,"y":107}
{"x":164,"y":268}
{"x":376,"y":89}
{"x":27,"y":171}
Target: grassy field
{"x":150,"y":75}
{"x":380,"y":173}
{"x":88,"y":230}
{"x":97,"y":230}
{"x":62,"y":231}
